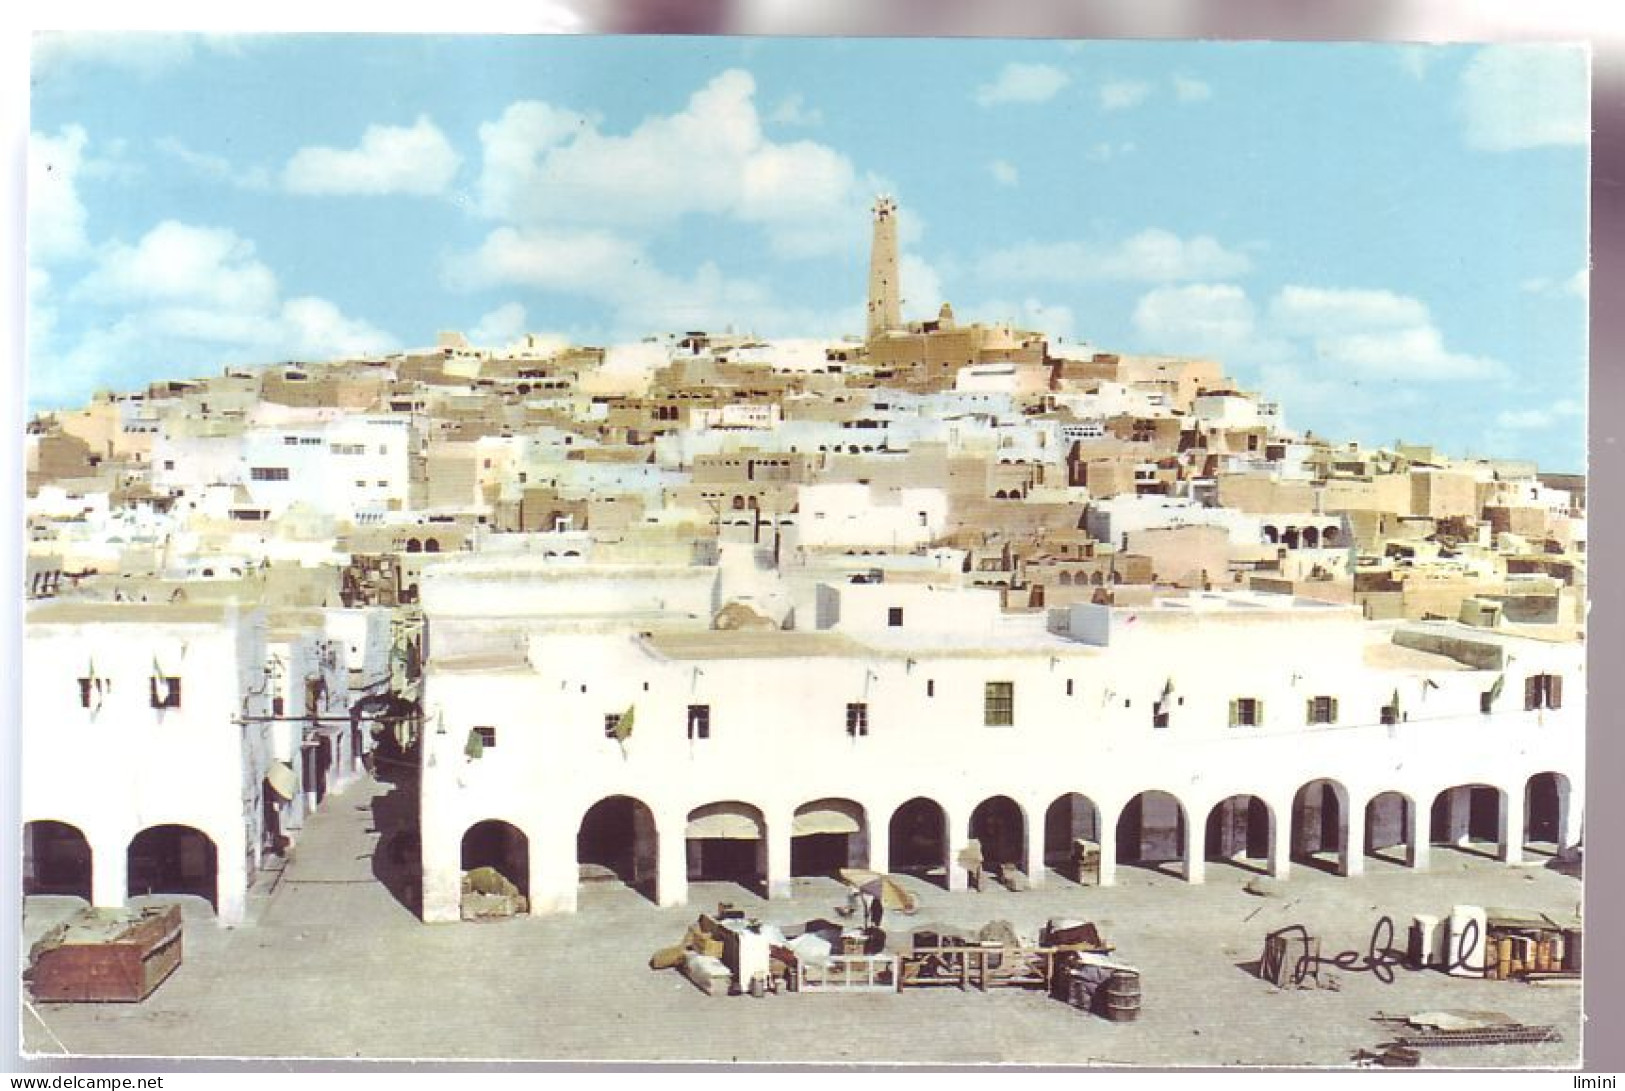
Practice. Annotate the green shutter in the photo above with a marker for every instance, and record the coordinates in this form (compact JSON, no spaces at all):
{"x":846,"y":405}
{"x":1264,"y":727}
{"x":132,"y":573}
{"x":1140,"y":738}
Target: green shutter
{"x":1235,"y":712}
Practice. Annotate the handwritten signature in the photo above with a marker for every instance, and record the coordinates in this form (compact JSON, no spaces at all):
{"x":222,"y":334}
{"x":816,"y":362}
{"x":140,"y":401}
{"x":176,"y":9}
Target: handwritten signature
{"x":1379,"y":957}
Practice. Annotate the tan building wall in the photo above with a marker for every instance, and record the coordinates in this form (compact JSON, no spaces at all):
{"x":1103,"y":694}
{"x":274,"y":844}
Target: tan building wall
{"x":1440,"y":493}
{"x":1384,"y":493}
{"x":1261,"y":495}
{"x":1193,"y":556}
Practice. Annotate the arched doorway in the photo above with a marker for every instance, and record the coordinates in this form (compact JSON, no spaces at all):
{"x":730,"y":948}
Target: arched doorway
{"x":827,"y":835}
{"x":1240,"y":831}
{"x":1002,"y":830}
{"x":1390,"y":825}
{"x":1546,"y":812}
{"x":502,"y":847}
{"x":1468,"y":817}
{"x":1151,"y":831}
{"x":56,"y":859}
{"x":617,"y":840}
{"x":1320,"y":826}
{"x":918,"y":835}
{"x":1072,"y":819}
{"x":173,"y":860}
{"x":727,"y":842}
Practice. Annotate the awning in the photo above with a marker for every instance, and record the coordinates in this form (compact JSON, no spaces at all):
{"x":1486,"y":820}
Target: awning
{"x":726,"y":821}
{"x":282,"y":779}
{"x":827,"y":816}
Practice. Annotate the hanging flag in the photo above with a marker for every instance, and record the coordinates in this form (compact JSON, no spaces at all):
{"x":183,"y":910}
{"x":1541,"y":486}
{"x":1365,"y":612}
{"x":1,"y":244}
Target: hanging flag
{"x":1167,"y":689}
{"x":1495,"y":690}
{"x":623,"y":726}
{"x":475,"y":748}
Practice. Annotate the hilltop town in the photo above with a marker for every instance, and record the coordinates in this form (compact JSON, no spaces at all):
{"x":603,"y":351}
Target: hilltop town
{"x":986,"y":604}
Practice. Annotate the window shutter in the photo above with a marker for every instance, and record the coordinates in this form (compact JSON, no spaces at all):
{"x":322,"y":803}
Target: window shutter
{"x":1235,"y":712}
{"x":1531,"y":692}
{"x":1309,"y":711}
{"x":1258,"y":713}
{"x":1334,"y":710}
{"x":1554,"y":691}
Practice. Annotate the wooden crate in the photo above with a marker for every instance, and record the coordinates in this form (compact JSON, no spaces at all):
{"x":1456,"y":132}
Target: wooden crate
{"x":102,"y":957}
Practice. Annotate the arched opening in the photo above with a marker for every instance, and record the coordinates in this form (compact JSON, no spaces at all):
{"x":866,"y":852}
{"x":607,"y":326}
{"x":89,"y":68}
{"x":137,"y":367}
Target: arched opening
{"x":1545,"y":812}
{"x":1271,"y":535}
{"x":414,"y":546}
{"x":1151,"y":831}
{"x":431,"y":545}
{"x":727,"y":842}
{"x":1328,"y":537}
{"x":1001,"y":828}
{"x":617,"y":841}
{"x":1240,"y":831}
{"x":1289,"y":538}
{"x":739,"y":503}
{"x":1467,"y":817}
{"x":56,"y":859}
{"x":827,"y":835}
{"x":1311,"y":537}
{"x":502,"y":847}
{"x":1098,"y":578}
{"x":1064,"y":579}
{"x":1390,"y":823}
{"x":1320,"y":826}
{"x":173,"y":860}
{"x":918,"y":835}
{"x":1072,"y":838}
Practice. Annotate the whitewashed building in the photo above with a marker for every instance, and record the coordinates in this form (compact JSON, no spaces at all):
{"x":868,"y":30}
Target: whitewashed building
{"x":1211,"y":730}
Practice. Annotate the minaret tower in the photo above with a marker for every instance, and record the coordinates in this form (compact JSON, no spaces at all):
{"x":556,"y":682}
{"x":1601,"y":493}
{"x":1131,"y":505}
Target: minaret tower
{"x":885,"y":298}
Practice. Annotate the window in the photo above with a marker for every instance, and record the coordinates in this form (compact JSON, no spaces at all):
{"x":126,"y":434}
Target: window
{"x":1246,"y":712}
{"x":1389,"y":715}
{"x":612,"y":723}
{"x":269,"y":473}
{"x":169,"y":464}
{"x":930,"y":687}
{"x":349,"y":448}
{"x":857,"y":719}
{"x":999,"y":704}
{"x":1069,"y":687}
{"x":1543,"y":691}
{"x":166,"y":691}
{"x":1321,"y":710}
{"x":290,"y":441}
{"x":1159,"y":718}
{"x":894,"y":617}
{"x":699,"y":721}
{"x":487,"y":737}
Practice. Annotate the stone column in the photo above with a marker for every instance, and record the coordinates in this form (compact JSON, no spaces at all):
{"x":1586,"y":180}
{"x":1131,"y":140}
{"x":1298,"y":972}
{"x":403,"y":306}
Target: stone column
{"x":1510,"y":830}
{"x":878,"y":827}
{"x":1280,"y":862}
{"x":1035,"y":845}
{"x":1351,"y":853}
{"x":1108,"y":844}
{"x":555,"y":877}
{"x":1416,"y":837}
{"x":957,"y":820}
{"x":778,"y":856}
{"x":109,"y":872}
{"x":1195,"y":838}
{"x":671,"y":861}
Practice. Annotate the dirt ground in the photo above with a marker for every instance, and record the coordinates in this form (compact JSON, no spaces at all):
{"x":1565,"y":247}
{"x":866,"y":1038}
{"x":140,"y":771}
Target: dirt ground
{"x":334,"y":965}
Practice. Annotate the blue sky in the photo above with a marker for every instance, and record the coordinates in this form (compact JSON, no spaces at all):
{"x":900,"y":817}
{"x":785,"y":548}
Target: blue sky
{"x":1391,"y":240}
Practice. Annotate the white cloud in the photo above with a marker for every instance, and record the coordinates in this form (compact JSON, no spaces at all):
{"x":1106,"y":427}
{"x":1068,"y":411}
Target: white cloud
{"x":1532,"y":420}
{"x":1004,"y":173}
{"x":1151,"y":255}
{"x":1338,"y":334}
{"x":416,"y":159}
{"x":183,"y":296}
{"x":147,"y":55}
{"x":215,"y":167}
{"x":1124,"y":94}
{"x":56,"y":215}
{"x":499,"y":327}
{"x":1204,"y":319}
{"x":1105,"y":151}
{"x":1321,"y":311}
{"x":1017,"y":82}
{"x":922,"y":287}
{"x":207,"y":267}
{"x":621,"y":275}
{"x":1578,"y":286}
{"x":1190,"y":89}
{"x":793,"y":110}
{"x":1526,"y":96}
{"x":1053,"y":319}
{"x":543,"y":167}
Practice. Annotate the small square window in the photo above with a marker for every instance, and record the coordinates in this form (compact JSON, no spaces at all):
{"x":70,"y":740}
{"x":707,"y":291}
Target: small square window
{"x":699,"y":721}
{"x":1159,"y":719}
{"x":894,"y":617}
{"x":857,"y":719}
{"x":612,"y":724}
{"x":166,"y":691}
{"x":999,"y":704}
{"x":487,"y":736}
{"x":1246,"y":712}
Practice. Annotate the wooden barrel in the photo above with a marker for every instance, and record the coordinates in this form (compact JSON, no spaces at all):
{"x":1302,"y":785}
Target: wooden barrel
{"x":1123,"y":997}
